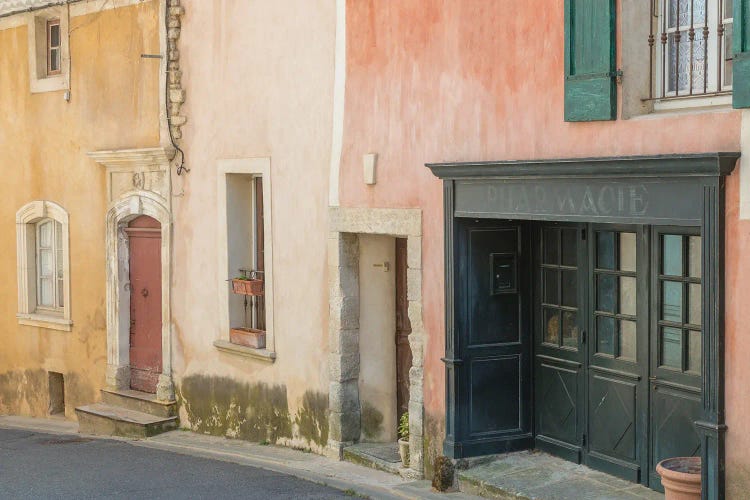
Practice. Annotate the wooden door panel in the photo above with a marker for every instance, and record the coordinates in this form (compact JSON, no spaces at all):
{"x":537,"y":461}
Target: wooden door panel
{"x":673,"y":416}
{"x":557,"y":403}
{"x":144,"y":236}
{"x":612,"y":418}
{"x":495,"y":399}
{"x":494,"y":315}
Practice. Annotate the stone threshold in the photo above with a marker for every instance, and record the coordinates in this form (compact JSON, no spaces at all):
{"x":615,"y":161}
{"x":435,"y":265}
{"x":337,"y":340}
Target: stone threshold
{"x":536,"y":475}
{"x":380,"y":456}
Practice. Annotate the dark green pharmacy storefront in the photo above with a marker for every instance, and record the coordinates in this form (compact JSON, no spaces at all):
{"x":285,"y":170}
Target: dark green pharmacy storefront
{"x":584,"y":310}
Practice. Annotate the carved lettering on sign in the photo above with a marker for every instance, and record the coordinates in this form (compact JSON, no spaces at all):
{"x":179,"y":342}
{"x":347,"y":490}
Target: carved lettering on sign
{"x":597,"y":200}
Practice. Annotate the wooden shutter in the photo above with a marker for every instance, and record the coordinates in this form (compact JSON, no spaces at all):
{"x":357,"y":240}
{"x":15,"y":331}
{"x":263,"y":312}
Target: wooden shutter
{"x":741,"y":63}
{"x":590,"y":88}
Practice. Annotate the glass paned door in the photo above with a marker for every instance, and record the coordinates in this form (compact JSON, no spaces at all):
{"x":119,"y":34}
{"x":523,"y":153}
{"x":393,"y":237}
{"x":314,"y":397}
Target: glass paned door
{"x":616,"y":356}
{"x":559,"y":365}
{"x":676,"y":344}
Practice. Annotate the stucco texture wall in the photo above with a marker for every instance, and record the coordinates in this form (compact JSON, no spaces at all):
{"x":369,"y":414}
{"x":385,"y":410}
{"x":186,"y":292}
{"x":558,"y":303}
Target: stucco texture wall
{"x":439,"y":80}
{"x":259,"y":81}
{"x":44,"y":141}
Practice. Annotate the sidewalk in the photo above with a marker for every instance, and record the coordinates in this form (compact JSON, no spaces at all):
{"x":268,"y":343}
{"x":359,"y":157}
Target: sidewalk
{"x":345,"y":476}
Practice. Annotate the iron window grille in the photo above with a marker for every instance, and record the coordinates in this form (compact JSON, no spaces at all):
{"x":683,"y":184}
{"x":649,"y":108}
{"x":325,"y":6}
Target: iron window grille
{"x":690,"y":48}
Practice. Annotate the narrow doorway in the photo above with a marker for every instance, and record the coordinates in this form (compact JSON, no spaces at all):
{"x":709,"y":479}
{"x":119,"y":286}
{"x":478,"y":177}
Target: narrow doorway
{"x":403,"y":329}
{"x":144,"y":237}
{"x":385,"y":356}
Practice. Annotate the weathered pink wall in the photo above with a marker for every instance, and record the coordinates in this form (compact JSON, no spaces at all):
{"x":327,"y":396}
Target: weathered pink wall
{"x":737,"y":347}
{"x":440,"y":80}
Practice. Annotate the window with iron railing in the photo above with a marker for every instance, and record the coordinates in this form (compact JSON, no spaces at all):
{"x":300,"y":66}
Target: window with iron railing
{"x":690,"y":48}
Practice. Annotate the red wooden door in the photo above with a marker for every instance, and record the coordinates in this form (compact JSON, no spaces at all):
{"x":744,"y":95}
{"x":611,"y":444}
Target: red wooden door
{"x":145,"y":303}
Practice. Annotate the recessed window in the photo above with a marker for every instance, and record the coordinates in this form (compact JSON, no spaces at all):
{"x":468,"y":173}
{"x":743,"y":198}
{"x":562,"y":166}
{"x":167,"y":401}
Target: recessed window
{"x":53,"y":47}
{"x":691,"y":48}
{"x":49,"y":266}
{"x":43,"y":266}
{"x":49,"y":51}
{"x":246,"y":232}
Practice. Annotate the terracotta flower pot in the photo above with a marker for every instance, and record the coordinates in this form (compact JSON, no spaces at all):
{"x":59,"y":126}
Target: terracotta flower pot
{"x":681,"y":478}
{"x":247,"y":287}
{"x":248,"y":337}
{"x":403,"y":450}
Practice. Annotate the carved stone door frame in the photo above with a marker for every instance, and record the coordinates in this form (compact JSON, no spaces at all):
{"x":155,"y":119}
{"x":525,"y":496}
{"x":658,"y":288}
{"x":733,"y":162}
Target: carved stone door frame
{"x":138,"y":183}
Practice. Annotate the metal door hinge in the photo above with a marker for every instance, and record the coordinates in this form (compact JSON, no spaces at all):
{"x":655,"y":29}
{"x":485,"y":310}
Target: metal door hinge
{"x":617,"y":75}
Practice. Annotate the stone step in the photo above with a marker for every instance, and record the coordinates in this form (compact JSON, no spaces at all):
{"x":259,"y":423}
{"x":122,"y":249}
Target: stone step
{"x":381,"y":456}
{"x":139,"y":401}
{"x":101,"y":419}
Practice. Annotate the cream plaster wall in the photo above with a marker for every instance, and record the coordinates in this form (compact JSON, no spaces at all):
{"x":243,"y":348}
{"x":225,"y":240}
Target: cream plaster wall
{"x":259,"y":80}
{"x":377,"y":334}
{"x":44,"y":140}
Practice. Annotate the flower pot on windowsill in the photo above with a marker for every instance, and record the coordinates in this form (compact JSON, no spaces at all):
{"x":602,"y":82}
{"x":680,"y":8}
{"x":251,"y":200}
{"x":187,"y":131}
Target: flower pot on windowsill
{"x":403,"y":450}
{"x":247,"y":286}
{"x":681,"y":478}
{"x":248,"y":337}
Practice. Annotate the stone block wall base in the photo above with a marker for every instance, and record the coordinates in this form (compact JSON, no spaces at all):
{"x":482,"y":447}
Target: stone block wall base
{"x":409,"y":473}
{"x":165,"y":388}
{"x":118,"y":377}
{"x":335,"y":449}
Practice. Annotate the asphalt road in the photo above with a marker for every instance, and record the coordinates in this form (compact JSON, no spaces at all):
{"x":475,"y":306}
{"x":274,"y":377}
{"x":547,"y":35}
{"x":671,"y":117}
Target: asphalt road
{"x":35,"y":465}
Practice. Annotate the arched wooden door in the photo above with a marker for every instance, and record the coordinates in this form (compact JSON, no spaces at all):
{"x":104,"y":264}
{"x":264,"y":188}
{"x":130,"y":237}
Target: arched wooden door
{"x":144,"y":235}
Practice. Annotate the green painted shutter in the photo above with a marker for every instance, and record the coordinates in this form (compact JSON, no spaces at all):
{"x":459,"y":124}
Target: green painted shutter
{"x":741,"y":62}
{"x":590,"y":87}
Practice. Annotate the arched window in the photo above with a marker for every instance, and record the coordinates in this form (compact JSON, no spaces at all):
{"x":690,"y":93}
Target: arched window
{"x":43,"y":266}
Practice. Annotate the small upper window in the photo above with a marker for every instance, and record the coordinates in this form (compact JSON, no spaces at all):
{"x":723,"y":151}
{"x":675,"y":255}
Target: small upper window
{"x":691,"y":48}
{"x":53,"y":47}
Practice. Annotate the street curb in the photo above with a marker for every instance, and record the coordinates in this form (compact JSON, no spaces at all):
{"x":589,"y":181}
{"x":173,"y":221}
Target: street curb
{"x":275,"y":466}
{"x":71,"y":428}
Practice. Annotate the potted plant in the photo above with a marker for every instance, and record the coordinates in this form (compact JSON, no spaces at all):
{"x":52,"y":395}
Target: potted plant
{"x":403,"y":438}
{"x":681,"y":478}
{"x":246,"y":285}
{"x":249,"y":284}
{"x":248,"y":337}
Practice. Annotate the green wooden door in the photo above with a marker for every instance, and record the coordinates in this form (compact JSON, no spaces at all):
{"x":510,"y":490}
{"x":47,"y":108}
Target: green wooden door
{"x":676,"y":344}
{"x":591,"y":347}
{"x":617,"y":354}
{"x":494,"y":344}
{"x":559,"y":360}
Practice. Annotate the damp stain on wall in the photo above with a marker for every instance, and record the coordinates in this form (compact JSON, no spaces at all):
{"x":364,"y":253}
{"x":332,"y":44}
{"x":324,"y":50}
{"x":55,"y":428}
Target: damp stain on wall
{"x":222,"y":406}
{"x":312,"y":417}
{"x":372,"y":421}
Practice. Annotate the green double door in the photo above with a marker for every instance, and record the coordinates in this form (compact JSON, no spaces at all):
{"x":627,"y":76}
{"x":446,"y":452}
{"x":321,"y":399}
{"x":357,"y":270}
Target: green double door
{"x":616,"y":328}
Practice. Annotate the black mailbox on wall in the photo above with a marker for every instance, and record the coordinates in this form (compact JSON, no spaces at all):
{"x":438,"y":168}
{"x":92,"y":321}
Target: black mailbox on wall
{"x":503,"y":268}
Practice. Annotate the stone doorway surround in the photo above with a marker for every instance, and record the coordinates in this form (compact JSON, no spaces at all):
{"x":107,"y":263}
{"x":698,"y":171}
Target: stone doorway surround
{"x":138,"y":183}
{"x":343,"y":364}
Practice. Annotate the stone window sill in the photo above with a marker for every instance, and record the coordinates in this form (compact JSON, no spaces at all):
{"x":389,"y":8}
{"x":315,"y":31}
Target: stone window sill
{"x":697,"y":103}
{"x":248,"y":352}
{"x":45,"y":321}
{"x":54,"y":83}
